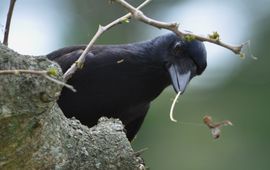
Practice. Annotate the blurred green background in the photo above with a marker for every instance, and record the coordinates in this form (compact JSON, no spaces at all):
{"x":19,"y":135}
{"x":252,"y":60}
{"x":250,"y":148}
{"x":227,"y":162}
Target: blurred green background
{"x":230,"y":88}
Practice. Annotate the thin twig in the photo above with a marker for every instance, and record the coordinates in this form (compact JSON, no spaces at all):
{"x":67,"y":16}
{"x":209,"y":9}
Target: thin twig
{"x":174,"y":27}
{"x":60,"y":83}
{"x":9,"y":16}
{"x":101,"y":29}
{"x":43,"y":73}
{"x":139,"y":152}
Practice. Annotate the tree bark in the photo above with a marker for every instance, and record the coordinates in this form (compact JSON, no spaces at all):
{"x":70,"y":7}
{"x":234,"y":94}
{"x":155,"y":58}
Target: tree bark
{"x":34,"y":133}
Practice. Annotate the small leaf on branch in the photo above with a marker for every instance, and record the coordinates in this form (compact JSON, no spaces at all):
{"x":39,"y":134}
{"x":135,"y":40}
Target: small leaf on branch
{"x":52,"y":71}
{"x":189,"y":38}
{"x":214,"y":36}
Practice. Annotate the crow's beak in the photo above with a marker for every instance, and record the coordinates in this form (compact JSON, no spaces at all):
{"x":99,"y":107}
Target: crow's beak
{"x":179,"y":77}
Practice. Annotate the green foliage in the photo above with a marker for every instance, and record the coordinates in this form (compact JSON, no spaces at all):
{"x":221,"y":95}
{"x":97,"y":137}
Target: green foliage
{"x":52,"y":71}
{"x":214,"y":36}
{"x":189,"y":38}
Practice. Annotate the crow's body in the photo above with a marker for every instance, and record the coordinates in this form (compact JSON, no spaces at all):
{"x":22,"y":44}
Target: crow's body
{"x":120,"y":81}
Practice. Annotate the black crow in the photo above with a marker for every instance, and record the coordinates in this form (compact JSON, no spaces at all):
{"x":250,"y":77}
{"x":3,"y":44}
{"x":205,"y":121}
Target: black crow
{"x":120,"y":81}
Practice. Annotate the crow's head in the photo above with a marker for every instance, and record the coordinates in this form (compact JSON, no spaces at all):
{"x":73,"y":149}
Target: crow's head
{"x":182,"y":59}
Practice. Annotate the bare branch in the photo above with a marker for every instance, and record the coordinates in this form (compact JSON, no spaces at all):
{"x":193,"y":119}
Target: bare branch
{"x":43,"y":73}
{"x":9,"y":16}
{"x":101,"y":29}
{"x":138,"y":15}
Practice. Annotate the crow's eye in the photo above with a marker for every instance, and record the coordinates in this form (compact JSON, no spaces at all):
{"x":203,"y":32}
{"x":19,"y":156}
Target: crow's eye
{"x":178,"y":48}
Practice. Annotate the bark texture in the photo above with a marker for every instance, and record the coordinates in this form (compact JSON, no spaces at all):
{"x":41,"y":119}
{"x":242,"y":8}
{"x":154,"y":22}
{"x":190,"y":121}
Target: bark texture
{"x":34,"y":133}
